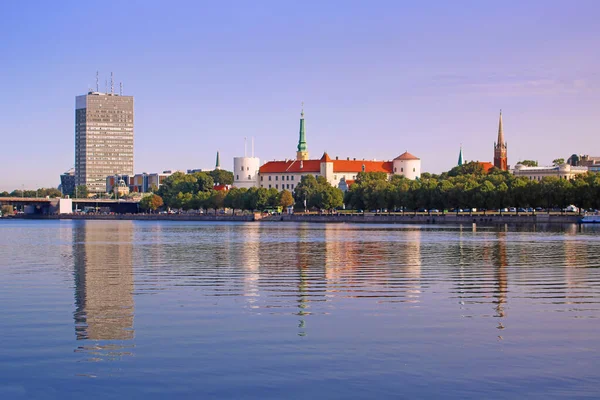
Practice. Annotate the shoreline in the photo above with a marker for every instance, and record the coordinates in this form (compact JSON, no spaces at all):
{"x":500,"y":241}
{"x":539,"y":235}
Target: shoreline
{"x":340,"y":218}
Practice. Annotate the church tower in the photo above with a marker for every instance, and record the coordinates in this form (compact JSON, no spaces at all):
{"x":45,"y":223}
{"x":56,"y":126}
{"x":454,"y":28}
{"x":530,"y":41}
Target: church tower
{"x":500,"y":154}
{"x":302,"y":153}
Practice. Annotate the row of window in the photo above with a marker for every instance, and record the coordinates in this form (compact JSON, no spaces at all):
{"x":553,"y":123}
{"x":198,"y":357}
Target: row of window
{"x":283,"y":186}
{"x":402,"y":170}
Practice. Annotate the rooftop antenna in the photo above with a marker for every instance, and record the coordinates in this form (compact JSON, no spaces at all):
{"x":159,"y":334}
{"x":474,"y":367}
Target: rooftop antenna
{"x":97,"y":89}
{"x":252,"y":146}
{"x":245,"y":147}
{"x":121,"y":89}
{"x":112,"y":85}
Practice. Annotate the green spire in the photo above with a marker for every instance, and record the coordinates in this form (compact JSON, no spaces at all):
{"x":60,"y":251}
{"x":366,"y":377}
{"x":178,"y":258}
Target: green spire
{"x":460,"y":157}
{"x":302,"y":139}
{"x":218,"y":163}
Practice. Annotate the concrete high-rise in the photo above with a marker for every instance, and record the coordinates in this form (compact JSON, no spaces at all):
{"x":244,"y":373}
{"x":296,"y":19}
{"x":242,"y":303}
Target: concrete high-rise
{"x":103,"y":138}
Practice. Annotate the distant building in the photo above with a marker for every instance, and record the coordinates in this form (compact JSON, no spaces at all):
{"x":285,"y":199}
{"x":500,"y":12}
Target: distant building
{"x":103,"y":138}
{"x":500,"y":149}
{"x":583,"y":161}
{"x":67,"y":183}
{"x":144,"y":182}
{"x":564,"y":171}
{"x":288,"y":173}
{"x":117,"y":181}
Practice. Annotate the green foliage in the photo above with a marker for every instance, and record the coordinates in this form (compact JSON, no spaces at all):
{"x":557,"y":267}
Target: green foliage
{"x":495,"y":190}
{"x":7,"y":210}
{"x":81,"y":192}
{"x":558,"y":161}
{"x":4,"y":194}
{"x":222,"y":177}
{"x":528,"y":163}
{"x":470,"y":168}
{"x":317,"y":193}
{"x":286,"y":199}
{"x":151,"y":202}
{"x":179,"y":189}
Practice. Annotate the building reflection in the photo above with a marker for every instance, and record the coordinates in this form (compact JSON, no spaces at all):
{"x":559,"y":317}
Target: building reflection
{"x":250,"y":261}
{"x":500,"y":264}
{"x":103,"y":272}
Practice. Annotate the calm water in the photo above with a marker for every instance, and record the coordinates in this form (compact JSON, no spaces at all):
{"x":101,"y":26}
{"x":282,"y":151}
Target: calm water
{"x":274,"y":310}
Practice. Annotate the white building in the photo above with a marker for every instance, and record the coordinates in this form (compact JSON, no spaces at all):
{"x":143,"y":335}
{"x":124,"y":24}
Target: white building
{"x":245,"y":172}
{"x":563,"y":171}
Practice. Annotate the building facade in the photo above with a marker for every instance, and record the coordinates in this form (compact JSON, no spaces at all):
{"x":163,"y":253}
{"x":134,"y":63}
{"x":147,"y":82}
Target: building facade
{"x":145,"y":182}
{"x":564,"y":171}
{"x":67,"y":183}
{"x":104,"y":134}
{"x":500,"y":149}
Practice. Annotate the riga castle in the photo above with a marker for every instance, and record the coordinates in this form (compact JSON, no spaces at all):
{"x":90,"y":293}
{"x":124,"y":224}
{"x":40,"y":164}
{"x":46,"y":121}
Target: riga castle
{"x":338,"y":172}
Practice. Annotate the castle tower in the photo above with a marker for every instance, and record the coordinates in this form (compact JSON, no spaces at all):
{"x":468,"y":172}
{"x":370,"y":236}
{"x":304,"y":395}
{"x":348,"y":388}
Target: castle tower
{"x":302,"y":153}
{"x":500,"y":153}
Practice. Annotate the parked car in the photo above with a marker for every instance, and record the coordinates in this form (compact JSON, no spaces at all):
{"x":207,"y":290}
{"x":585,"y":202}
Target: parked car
{"x":512,"y":209}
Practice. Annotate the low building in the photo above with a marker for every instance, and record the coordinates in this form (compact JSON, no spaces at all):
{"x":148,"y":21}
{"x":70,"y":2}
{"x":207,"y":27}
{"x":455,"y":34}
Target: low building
{"x":584,"y":160}
{"x":563,"y":171}
{"x":144,"y":182}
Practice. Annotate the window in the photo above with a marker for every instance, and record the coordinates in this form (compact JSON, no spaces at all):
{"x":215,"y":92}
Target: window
{"x":242,"y":168}
{"x":237,"y":177}
{"x":261,"y":178}
{"x":287,"y":178}
{"x":276,"y":186}
{"x":247,"y":168}
{"x":249,"y":177}
{"x":261,"y":185}
{"x":282,"y":178}
{"x":276,"y":178}
{"x":395,"y":169}
{"x":414,"y":169}
{"x":292,"y":186}
{"x":335,"y":177}
{"x":292,"y":177}
{"x":269,"y":177}
{"x":287,"y":185}
{"x":269,"y":186}
{"x":401,"y":169}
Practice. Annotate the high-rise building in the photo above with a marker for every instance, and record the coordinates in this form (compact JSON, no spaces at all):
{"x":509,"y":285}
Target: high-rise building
{"x":500,"y":153}
{"x":103,"y":138}
{"x":67,"y":182}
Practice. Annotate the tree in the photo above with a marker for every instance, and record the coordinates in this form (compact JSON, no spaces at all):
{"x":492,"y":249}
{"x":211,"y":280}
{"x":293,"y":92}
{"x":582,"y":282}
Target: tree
{"x":186,"y":184}
{"x":528,"y":163}
{"x":558,"y":161}
{"x":222,"y":177}
{"x":286,"y":199}
{"x":4,"y":194}
{"x":152,"y":202}
{"x":81,"y":192}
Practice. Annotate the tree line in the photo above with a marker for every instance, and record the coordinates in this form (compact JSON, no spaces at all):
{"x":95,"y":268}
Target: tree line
{"x":469,"y":186}
{"x":41,"y":192}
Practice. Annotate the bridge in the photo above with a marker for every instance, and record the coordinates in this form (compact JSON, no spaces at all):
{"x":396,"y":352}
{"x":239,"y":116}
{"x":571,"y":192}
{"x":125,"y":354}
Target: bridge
{"x":51,"y":205}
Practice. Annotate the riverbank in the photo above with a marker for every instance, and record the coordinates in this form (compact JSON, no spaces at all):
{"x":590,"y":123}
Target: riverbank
{"x":337,"y":218}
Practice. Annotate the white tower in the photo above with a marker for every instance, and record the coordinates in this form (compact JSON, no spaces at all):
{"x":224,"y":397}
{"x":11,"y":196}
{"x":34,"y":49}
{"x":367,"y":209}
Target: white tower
{"x":407,"y":165}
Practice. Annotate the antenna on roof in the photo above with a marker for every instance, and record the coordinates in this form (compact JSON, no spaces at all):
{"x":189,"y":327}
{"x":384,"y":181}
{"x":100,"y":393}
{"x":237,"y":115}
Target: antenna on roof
{"x":112,"y":85}
{"x":97,"y":89}
{"x":121,"y":89}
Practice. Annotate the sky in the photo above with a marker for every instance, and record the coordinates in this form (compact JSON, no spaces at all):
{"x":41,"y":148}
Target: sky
{"x":377,"y":78}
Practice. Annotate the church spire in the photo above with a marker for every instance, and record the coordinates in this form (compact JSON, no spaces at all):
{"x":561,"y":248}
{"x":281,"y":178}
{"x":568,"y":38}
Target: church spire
{"x":302,"y":153}
{"x":500,"y":130}
{"x":460,"y":157}
{"x":218,"y":163}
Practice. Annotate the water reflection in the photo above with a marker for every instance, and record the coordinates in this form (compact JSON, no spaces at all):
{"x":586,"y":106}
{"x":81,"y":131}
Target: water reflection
{"x":104,"y":283}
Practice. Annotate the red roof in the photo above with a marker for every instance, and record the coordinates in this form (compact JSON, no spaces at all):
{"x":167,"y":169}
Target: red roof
{"x":314,"y":166}
{"x":349,"y":182}
{"x":326,"y":157}
{"x":406,"y":156}
{"x":357,"y":166}
{"x":487,"y":166}
{"x":290,"y":166}
{"x":221,"y":188}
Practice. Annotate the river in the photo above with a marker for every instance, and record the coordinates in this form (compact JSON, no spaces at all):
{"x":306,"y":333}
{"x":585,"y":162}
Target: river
{"x":156,"y":309}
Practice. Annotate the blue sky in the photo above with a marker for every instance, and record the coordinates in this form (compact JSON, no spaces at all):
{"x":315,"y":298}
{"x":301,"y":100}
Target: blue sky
{"x":377,"y":78}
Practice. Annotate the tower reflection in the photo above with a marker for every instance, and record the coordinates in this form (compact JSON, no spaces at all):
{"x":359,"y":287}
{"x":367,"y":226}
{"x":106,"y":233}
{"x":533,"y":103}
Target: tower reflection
{"x":103,"y":273}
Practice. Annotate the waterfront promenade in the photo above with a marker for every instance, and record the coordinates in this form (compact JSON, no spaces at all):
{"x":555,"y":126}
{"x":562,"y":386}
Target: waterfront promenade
{"x":517,"y":219}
